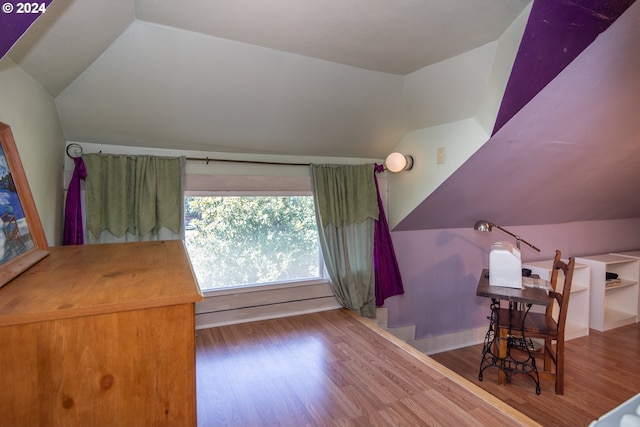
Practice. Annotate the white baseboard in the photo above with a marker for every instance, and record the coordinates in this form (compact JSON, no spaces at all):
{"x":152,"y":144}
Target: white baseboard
{"x":254,"y":314}
{"x":405,"y":333}
{"x":382,"y":316}
{"x":248,"y":304}
{"x":440,"y":343}
{"x":460,"y":339}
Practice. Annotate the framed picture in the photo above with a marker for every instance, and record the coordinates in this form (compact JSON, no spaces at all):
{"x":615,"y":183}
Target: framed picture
{"x":22,"y":240}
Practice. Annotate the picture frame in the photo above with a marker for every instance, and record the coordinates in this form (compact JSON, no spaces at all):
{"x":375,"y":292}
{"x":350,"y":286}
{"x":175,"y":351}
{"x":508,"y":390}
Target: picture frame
{"x":22,"y":239}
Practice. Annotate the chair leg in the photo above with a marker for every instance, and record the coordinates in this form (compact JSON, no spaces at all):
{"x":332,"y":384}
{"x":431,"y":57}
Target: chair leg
{"x":560,"y":367}
{"x":547,"y":355}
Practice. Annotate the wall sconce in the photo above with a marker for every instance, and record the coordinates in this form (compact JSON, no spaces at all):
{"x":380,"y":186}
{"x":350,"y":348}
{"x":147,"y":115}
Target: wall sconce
{"x":398,"y":162}
{"x":485,"y":226}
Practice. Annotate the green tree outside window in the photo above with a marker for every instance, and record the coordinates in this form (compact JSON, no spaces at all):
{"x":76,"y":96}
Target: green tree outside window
{"x":242,"y":240}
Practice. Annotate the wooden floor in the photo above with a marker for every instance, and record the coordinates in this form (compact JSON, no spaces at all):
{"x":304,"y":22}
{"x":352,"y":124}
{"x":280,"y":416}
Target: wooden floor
{"x":331,"y":369}
{"x":602,"y":370}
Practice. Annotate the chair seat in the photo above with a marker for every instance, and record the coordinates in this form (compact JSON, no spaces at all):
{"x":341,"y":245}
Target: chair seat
{"x":536,"y":325}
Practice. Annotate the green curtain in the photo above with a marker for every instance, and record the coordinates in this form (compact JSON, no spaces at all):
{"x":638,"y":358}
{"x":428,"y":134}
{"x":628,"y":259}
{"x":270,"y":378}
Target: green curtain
{"x":346,"y":209}
{"x":134,"y":197}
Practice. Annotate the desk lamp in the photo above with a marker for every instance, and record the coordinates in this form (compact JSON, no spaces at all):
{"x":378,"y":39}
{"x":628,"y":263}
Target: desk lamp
{"x":486,"y":226}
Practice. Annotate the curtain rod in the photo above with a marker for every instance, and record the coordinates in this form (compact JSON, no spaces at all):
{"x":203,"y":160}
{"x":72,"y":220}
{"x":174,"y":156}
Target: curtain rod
{"x":75,"y":150}
{"x":207,"y":159}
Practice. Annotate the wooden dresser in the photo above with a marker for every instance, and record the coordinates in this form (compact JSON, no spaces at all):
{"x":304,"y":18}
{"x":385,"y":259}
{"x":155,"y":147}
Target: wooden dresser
{"x":100,"y":335}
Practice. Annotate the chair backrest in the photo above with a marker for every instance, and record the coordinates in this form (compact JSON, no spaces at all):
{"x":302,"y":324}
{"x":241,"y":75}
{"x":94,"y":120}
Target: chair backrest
{"x":561,"y":296}
{"x":554,"y":270}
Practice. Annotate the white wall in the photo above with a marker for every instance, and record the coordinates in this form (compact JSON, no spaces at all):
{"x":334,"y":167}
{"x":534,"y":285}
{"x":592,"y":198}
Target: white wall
{"x":407,"y":189}
{"x":470,"y":87}
{"x":450,"y":90}
{"x":31,"y":113}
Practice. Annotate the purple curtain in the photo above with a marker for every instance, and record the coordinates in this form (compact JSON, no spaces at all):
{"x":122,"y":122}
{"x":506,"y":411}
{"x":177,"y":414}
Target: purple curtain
{"x":388,"y":279}
{"x":73,"y":232}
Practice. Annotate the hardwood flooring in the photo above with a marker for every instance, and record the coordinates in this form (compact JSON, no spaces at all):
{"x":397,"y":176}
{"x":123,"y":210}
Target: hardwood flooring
{"x":331,"y":369}
{"x":602,"y":370}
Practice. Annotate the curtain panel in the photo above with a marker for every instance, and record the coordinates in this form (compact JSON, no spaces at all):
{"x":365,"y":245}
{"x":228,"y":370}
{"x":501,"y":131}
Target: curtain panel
{"x":388,"y":278}
{"x":73,"y":224}
{"x":134,"y":198}
{"x":346,"y":209}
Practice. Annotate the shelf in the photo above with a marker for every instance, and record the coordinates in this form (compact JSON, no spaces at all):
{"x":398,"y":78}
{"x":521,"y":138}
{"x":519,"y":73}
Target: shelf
{"x":575,"y":330}
{"x":615,"y":305}
{"x":577,"y":287}
{"x":630,"y":254}
{"x":607,"y":259}
{"x":623,"y":283}
{"x":616,"y":318}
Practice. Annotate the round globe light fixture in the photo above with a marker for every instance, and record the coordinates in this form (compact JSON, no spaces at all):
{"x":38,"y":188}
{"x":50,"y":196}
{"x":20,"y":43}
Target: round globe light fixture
{"x":398,"y":162}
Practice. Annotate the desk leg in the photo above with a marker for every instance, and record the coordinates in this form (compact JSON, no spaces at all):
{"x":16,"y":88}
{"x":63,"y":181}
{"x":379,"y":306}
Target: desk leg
{"x":528,"y":364}
{"x":496,"y":351}
{"x":490,"y":348}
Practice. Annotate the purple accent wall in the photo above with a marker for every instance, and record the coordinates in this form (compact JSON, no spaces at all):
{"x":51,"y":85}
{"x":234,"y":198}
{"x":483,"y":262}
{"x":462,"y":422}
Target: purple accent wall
{"x":440,"y":268}
{"x":14,"y":21}
{"x":556,"y":33}
{"x":571,"y":154}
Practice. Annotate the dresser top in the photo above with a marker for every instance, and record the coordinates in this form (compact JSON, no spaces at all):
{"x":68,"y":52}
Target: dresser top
{"x":85,"y":280}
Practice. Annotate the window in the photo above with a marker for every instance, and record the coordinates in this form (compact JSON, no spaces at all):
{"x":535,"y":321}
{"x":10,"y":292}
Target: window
{"x":243,"y":240}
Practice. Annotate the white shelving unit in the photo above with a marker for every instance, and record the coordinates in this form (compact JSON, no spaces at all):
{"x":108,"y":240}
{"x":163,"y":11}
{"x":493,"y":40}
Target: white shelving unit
{"x":635,"y":255}
{"x":616,"y":305}
{"x":579,"y":301}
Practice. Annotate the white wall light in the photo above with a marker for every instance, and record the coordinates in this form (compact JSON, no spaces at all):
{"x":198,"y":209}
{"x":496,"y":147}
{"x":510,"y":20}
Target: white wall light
{"x":398,"y":162}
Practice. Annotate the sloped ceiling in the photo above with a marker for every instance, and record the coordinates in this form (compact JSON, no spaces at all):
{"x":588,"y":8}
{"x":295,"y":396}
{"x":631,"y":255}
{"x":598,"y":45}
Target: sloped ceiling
{"x":571,"y":154}
{"x":303,"y":77}
{"x":299,"y":77}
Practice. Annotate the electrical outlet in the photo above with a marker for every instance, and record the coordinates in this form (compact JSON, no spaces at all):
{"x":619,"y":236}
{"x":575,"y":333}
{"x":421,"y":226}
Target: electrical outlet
{"x":440,"y":158}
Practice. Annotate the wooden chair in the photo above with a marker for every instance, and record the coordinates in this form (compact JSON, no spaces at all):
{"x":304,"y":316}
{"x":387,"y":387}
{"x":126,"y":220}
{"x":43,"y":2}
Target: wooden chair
{"x":548,"y":326}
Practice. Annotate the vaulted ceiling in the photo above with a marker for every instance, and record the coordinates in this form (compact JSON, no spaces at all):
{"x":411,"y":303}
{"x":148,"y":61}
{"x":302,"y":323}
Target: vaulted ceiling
{"x":325,"y":78}
{"x":299,"y":77}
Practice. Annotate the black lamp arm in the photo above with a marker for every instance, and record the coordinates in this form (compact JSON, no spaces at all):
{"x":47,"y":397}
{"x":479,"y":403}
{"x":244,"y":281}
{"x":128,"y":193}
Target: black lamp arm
{"x":518,"y":238}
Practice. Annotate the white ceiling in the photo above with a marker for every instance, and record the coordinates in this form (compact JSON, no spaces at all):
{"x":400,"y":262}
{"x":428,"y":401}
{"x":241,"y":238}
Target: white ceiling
{"x":392,"y":36}
{"x":305,"y":77}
